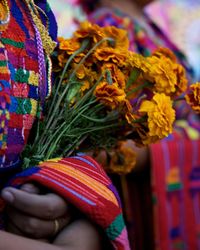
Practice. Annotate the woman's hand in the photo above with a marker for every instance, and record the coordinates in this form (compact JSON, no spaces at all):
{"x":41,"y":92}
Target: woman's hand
{"x":33,"y":214}
{"x":79,"y":235}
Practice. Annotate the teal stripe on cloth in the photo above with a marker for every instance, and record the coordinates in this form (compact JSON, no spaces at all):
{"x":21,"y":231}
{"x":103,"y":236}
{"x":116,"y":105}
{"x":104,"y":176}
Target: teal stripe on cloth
{"x":115,"y":228}
{"x":11,"y":42}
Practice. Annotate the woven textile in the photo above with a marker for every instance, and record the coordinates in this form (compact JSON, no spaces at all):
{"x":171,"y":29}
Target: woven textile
{"x":19,"y":83}
{"x":84,"y":184}
{"x":176,"y":194}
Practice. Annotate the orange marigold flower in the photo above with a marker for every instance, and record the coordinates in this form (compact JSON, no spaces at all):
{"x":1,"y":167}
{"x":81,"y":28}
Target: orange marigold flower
{"x":88,"y":29}
{"x":85,"y":85}
{"x":110,"y":94}
{"x":193,"y":98}
{"x":127,"y":109}
{"x":143,"y":138}
{"x":116,"y":74}
{"x":130,"y":117}
{"x":120,"y":37}
{"x":182,"y":81}
{"x":80,"y":73}
{"x":160,"y":115}
{"x":111,"y":55}
{"x":60,"y":39}
{"x":69,"y":45}
{"x":169,"y":76}
{"x":122,"y":159}
{"x":62,"y":59}
{"x":160,"y":52}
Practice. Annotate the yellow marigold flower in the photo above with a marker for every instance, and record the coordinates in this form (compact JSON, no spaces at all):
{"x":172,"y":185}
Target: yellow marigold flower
{"x":120,"y":36}
{"x":122,"y":159}
{"x":110,"y":94}
{"x":160,"y":115}
{"x":111,"y":55}
{"x":69,"y":45}
{"x":169,"y":76}
{"x":193,"y":98}
{"x":161,"y":73}
{"x":88,"y":29}
{"x":137,"y":61}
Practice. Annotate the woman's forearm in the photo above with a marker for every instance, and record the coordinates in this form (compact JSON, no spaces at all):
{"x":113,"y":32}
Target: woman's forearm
{"x":10,"y":241}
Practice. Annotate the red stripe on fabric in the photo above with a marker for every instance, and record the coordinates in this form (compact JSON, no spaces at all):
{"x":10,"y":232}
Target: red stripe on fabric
{"x":160,"y":191}
{"x":85,"y":168}
{"x":98,"y":170}
{"x":5,"y":76}
{"x":189,"y":211}
{"x":173,"y":197}
{"x":70,"y":182}
{"x":88,"y":182}
{"x":98,"y":198}
{"x":175,"y":210}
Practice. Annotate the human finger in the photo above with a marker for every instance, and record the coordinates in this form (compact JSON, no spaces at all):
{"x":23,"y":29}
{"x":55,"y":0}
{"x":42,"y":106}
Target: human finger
{"x":33,"y":227}
{"x":47,"y":206}
{"x":30,"y":188}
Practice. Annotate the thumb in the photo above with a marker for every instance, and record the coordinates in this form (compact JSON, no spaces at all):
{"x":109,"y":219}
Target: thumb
{"x":7,"y":194}
{"x":30,"y":188}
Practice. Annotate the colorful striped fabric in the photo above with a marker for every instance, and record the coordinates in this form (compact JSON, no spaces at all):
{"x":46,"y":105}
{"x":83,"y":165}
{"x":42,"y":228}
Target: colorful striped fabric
{"x":176,"y":194}
{"x":83,"y":183}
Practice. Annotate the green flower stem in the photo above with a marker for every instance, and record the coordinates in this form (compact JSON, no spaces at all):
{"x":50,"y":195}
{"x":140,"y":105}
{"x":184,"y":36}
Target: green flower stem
{"x":83,"y":136}
{"x":69,"y":150}
{"x":70,"y":78}
{"x":133,"y":77}
{"x":81,"y":49}
{"x":106,"y":119}
{"x":59,"y":133}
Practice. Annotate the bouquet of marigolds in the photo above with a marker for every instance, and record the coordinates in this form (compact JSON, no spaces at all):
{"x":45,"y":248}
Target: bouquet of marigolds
{"x":104,"y":94}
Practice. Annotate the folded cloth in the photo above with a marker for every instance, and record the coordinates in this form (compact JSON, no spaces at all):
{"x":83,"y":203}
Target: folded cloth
{"x":83,"y":183}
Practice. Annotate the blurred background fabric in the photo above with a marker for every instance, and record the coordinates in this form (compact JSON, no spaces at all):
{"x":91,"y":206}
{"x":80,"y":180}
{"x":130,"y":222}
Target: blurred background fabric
{"x":68,"y":13}
{"x":178,"y":19}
